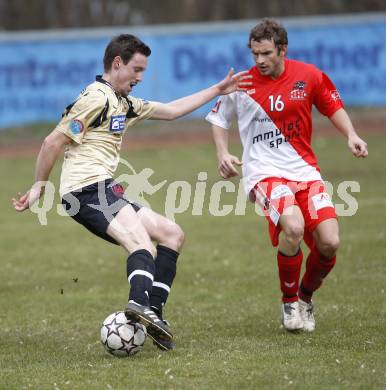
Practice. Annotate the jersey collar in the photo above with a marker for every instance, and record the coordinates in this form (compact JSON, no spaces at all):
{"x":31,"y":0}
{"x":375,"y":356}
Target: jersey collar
{"x":100,"y":79}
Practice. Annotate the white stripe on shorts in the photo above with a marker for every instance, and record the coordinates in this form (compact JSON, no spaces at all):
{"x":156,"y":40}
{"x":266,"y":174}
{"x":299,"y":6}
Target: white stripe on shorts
{"x":140,"y":272}
{"x":162,"y":285}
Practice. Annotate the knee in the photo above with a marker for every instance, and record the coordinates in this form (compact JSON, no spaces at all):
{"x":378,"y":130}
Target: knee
{"x":294,"y":232}
{"x":328,"y":246}
{"x":176,"y":235}
{"x":171,"y":235}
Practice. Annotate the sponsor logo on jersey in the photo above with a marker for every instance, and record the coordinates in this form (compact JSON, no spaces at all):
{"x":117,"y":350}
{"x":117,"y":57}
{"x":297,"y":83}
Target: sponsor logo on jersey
{"x":267,"y":135}
{"x":335,"y":95}
{"x":261,"y":120}
{"x":298,"y":92}
{"x":117,"y":123}
{"x":276,"y":137}
{"x":76,"y":126}
{"x":251,"y":91}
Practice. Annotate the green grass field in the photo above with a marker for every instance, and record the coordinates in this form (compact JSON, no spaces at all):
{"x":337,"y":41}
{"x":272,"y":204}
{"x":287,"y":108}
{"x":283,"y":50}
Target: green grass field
{"x":225,"y":304}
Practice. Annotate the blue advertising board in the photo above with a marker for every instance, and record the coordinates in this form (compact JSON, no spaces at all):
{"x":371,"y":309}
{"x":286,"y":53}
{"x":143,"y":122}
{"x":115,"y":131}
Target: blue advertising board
{"x":42,"y":73}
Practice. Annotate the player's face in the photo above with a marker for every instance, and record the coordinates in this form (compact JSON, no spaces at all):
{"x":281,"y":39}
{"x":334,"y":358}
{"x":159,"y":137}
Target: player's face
{"x":269,"y":61}
{"x":129,"y":75}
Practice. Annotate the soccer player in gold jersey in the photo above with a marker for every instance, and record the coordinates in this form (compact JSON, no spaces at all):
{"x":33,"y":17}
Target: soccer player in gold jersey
{"x":91,"y":132}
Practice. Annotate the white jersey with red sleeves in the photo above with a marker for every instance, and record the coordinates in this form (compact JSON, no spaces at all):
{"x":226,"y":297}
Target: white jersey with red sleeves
{"x":275,"y":121}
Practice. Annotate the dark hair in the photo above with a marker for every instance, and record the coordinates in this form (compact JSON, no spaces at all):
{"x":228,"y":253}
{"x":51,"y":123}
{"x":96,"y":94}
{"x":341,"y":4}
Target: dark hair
{"x":269,"y":29}
{"x":125,"y":46}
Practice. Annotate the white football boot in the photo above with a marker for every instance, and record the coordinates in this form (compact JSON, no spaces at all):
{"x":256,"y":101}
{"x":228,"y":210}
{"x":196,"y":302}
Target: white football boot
{"x":291,"y":316}
{"x":307,"y":314}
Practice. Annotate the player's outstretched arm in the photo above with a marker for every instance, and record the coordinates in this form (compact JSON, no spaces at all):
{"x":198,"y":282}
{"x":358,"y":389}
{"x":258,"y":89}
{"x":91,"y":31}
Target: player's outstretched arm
{"x":342,"y":122}
{"x":226,"y":162}
{"x":50,"y":150}
{"x":177,"y":108}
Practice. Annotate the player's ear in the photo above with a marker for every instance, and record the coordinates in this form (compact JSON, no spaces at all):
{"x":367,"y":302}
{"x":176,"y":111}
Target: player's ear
{"x":117,"y":62}
{"x":283,"y":50}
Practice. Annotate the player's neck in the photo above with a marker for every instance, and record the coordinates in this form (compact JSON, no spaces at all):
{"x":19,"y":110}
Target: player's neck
{"x":107,"y":77}
{"x":279,"y":70}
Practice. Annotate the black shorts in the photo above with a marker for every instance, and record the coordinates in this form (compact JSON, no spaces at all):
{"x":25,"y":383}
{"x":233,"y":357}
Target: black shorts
{"x":96,"y":205}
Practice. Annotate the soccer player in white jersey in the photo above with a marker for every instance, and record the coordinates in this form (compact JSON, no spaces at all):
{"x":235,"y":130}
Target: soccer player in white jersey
{"x":279,"y":166}
{"x":91,"y":132}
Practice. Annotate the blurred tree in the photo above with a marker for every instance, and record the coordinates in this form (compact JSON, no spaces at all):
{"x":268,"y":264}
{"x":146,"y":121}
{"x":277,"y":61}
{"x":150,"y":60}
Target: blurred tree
{"x":47,"y":14}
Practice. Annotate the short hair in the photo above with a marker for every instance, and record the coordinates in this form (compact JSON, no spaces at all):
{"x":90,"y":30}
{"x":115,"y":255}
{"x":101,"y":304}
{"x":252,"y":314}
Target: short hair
{"x":269,"y":29}
{"x":125,"y":46}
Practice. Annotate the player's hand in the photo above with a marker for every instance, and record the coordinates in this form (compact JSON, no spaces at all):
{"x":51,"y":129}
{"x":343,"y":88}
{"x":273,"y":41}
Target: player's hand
{"x":357,"y":146}
{"x":23,"y":202}
{"x":227,"y":166}
{"x":234,"y":82}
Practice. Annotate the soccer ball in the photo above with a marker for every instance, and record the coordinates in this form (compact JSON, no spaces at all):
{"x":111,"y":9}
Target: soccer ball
{"x":120,"y":336}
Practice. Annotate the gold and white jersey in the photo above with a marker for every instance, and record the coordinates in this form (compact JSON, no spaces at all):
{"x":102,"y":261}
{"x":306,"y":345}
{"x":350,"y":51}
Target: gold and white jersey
{"x":96,"y":122}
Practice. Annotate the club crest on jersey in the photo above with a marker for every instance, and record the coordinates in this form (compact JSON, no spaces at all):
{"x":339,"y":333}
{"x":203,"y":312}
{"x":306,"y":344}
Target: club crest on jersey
{"x":76,"y":126}
{"x":117,"y":123}
{"x":298,"y":92}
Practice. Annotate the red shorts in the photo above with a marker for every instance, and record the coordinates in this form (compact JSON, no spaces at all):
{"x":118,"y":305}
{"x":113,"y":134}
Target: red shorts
{"x":274,"y":195}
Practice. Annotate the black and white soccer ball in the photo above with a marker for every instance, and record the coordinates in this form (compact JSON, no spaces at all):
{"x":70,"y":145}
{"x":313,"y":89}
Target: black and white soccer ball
{"x":122,"y":337}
